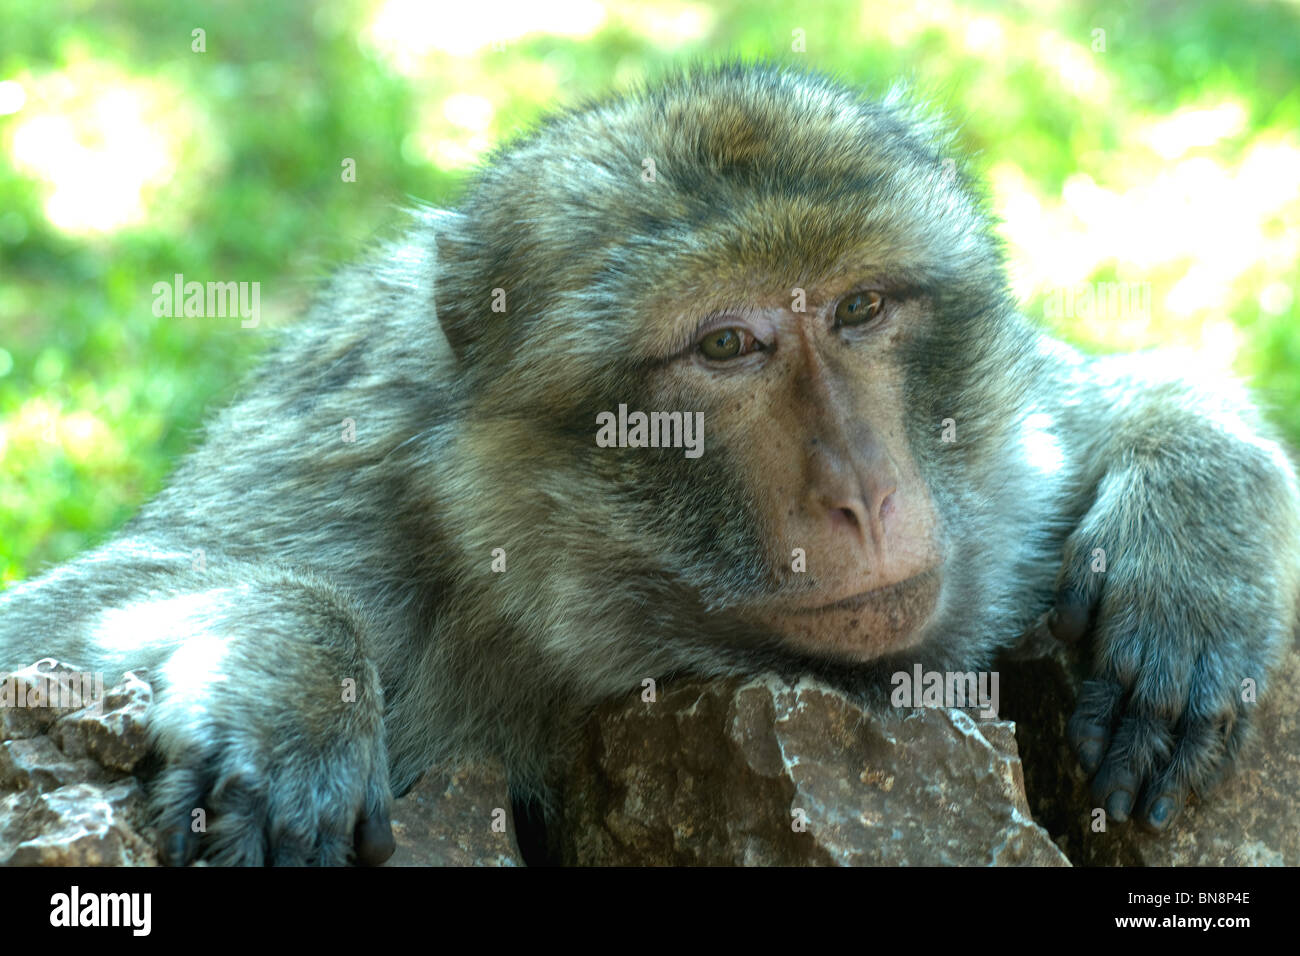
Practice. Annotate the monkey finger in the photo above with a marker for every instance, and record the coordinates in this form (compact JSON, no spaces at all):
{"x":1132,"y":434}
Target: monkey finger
{"x":1202,"y":756}
{"x":176,"y":793}
{"x":238,"y":831}
{"x":373,"y":839}
{"x":1116,"y":788}
{"x":1095,"y":714}
{"x":178,"y":845}
{"x":1072,"y":616}
{"x":1140,"y":752}
{"x":291,"y":849}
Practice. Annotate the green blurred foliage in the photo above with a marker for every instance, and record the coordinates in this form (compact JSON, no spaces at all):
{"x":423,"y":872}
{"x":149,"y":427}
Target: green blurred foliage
{"x":98,"y":397}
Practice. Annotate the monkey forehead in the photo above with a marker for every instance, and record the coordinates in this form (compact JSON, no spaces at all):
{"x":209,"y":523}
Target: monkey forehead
{"x":723,"y":187}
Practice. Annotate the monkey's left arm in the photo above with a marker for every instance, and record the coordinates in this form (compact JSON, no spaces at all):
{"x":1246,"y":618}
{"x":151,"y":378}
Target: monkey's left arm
{"x":1184,"y":568}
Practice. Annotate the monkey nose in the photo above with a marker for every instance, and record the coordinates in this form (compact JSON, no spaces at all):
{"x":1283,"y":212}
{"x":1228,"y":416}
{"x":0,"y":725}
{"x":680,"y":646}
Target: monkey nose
{"x":851,"y":515}
{"x":863,"y":517}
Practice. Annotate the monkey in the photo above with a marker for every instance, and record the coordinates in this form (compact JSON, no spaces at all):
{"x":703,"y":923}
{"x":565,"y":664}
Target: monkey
{"x":403,"y":544}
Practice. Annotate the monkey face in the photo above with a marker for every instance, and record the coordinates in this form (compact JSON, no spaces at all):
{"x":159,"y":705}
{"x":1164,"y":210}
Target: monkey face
{"x":806,"y":404}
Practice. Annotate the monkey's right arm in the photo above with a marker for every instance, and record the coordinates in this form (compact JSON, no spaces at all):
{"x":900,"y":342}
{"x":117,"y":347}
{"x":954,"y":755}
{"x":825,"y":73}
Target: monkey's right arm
{"x":268,"y":714}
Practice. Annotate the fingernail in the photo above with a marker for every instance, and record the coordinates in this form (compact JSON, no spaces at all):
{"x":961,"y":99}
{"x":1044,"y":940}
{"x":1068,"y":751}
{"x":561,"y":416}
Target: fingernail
{"x":1161,"y":811}
{"x":1090,"y":754}
{"x":1119,"y":806}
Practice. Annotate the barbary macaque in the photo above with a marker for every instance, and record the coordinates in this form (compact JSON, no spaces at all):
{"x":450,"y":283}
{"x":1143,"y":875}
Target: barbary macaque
{"x":895,"y":468}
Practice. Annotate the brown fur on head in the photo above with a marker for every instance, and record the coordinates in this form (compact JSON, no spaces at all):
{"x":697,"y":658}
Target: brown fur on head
{"x":775,"y":196}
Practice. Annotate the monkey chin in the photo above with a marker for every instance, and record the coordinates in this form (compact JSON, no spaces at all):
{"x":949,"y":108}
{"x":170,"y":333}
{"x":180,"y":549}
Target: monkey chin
{"x":864,"y":627}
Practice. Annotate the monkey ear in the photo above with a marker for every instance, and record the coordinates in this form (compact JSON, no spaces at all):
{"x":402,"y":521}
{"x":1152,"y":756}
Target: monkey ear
{"x":444,"y":236}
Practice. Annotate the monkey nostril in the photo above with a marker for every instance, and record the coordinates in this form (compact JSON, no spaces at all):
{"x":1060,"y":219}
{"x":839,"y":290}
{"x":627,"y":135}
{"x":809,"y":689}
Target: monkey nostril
{"x":847,"y":517}
{"x":887,"y":507}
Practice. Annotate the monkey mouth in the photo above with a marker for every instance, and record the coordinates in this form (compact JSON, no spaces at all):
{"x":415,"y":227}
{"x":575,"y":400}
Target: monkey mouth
{"x":927,"y":580}
{"x":864,"y":626}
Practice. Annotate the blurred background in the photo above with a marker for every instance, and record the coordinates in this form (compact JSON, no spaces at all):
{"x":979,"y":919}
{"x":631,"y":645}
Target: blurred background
{"x":1144,"y":159}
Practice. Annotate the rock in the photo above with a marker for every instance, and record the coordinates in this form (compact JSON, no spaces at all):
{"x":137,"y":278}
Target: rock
{"x":710,"y":774}
{"x":1248,"y":820}
{"x":447,"y":820}
{"x":720,"y":772}
{"x":35,"y":763}
{"x":79,"y":825}
{"x":66,"y":749}
{"x":35,"y":697}
{"x":114,"y":735}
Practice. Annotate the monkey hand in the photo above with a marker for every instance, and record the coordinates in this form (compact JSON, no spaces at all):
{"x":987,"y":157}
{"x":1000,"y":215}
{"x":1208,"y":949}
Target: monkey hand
{"x":1183,"y":575}
{"x":269,"y":724}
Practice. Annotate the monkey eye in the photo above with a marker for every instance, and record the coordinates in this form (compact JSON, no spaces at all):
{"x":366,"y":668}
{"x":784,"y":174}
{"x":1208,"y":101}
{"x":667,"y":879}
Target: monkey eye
{"x":722,"y":344}
{"x":859,"y":308}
